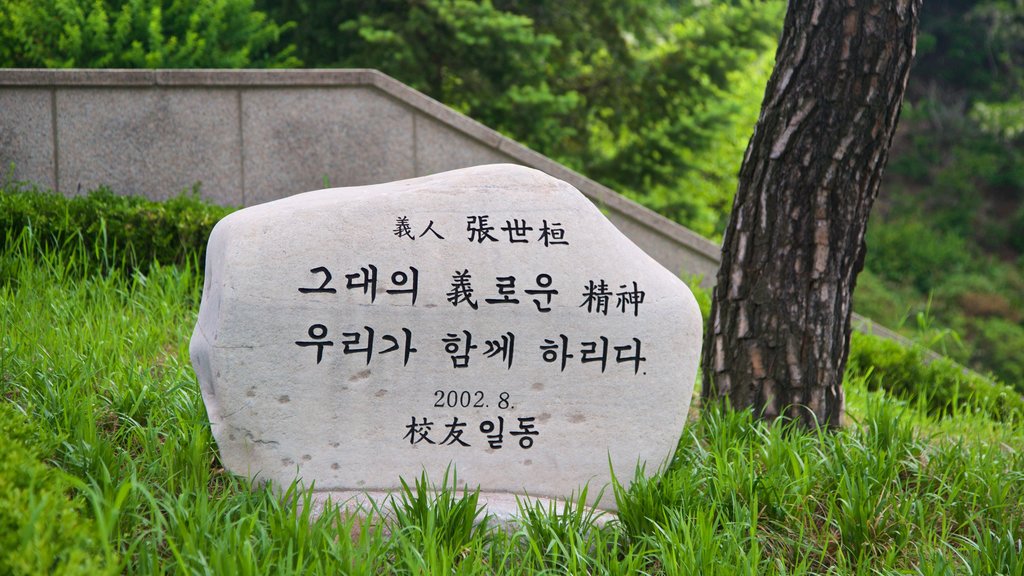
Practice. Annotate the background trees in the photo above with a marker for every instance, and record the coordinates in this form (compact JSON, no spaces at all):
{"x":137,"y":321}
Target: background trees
{"x":947,"y":239}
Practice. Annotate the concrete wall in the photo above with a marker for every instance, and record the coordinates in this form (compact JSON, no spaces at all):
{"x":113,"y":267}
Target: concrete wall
{"x":250,"y":136}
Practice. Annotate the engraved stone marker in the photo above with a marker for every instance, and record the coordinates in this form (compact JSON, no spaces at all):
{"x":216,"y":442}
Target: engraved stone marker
{"x":490,"y":318}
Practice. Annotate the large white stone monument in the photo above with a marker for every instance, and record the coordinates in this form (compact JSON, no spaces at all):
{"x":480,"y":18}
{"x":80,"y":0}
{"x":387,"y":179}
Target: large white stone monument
{"x":488,"y":318}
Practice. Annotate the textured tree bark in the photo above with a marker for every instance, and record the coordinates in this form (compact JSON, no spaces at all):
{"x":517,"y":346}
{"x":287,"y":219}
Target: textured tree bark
{"x":779,"y":333}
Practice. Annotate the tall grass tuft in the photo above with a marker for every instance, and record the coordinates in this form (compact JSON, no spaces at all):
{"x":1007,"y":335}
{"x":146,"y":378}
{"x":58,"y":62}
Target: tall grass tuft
{"x":436,"y":526}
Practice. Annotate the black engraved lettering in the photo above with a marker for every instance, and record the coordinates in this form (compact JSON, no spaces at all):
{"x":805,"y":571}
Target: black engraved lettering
{"x":517,"y":230}
{"x":551,"y":350}
{"x":402,"y":228}
{"x":544,"y":291}
{"x":401,"y":279}
{"x":552,"y":234}
{"x":504,"y":345}
{"x":323,"y":285}
{"x":417,"y":432}
{"x":494,"y":431}
{"x":479,"y":230}
{"x":408,"y":349}
{"x":526,"y":432}
{"x":317,"y":332}
{"x":635,"y":358}
{"x":506,"y":290}
{"x":629,"y":298}
{"x":590,"y":353}
{"x":462,"y":290}
{"x":368,"y":281}
{"x":455,"y":431}
{"x":430,"y":228}
{"x":596,"y":297}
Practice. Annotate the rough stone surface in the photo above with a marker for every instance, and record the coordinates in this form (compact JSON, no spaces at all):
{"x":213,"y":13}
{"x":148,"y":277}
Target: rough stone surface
{"x":26,"y":136}
{"x":154,"y":143}
{"x":296,"y":138}
{"x":283,"y":406}
{"x":440,"y":148}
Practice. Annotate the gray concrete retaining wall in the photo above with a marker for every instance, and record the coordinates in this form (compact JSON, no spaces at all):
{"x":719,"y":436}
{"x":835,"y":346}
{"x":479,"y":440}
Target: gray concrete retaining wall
{"x":250,"y":136}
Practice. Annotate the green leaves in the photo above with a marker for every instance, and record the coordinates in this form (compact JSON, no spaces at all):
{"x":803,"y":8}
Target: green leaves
{"x":130,"y":231}
{"x":43,"y":527}
{"x":488,"y":63}
{"x":695,"y":98}
{"x":1002,"y":119}
{"x":138,"y":34}
{"x":940,"y":385}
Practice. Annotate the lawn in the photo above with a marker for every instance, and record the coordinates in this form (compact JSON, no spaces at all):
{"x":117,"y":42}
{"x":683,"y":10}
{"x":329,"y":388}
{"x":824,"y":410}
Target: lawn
{"x":107,"y":465}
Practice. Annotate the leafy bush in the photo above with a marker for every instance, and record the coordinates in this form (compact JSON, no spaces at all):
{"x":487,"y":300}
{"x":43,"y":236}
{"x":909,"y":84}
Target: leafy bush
{"x":42,"y":529}
{"x":138,"y":34}
{"x":1016,"y":230}
{"x":888,"y":304}
{"x":132,"y":231}
{"x":986,"y":310}
{"x":911,"y":252}
{"x":941,"y":383}
{"x":999,"y":343}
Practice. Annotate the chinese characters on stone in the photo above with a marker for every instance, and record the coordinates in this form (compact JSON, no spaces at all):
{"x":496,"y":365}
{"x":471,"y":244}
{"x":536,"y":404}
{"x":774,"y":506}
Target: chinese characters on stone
{"x":480,"y":230}
{"x":461,"y":291}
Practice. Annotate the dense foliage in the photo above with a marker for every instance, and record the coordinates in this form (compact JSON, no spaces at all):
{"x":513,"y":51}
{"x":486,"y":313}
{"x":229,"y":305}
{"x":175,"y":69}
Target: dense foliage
{"x":658,"y":100}
{"x":132,"y":230}
{"x":43,"y":528}
{"x":947,"y":239}
{"x":939,"y":384}
{"x":138,"y":34}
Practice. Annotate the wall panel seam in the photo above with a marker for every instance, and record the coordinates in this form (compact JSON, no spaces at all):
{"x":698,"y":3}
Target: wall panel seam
{"x":54,"y":139}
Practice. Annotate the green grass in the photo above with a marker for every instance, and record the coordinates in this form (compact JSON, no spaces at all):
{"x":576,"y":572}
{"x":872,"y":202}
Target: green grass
{"x":110,"y":467}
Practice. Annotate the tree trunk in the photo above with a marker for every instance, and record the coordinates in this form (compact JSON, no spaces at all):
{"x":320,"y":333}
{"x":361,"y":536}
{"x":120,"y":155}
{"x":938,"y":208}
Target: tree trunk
{"x":779,"y":334}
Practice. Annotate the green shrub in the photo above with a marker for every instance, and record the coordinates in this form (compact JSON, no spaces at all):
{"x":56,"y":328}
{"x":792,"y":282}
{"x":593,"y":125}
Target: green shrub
{"x":700,"y":294}
{"x":42,"y":528}
{"x":910,"y":252}
{"x":945,"y":386}
{"x":999,"y":343}
{"x":1016,"y":231}
{"x":885,"y":303}
{"x":138,"y":34}
{"x":128,"y":231}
